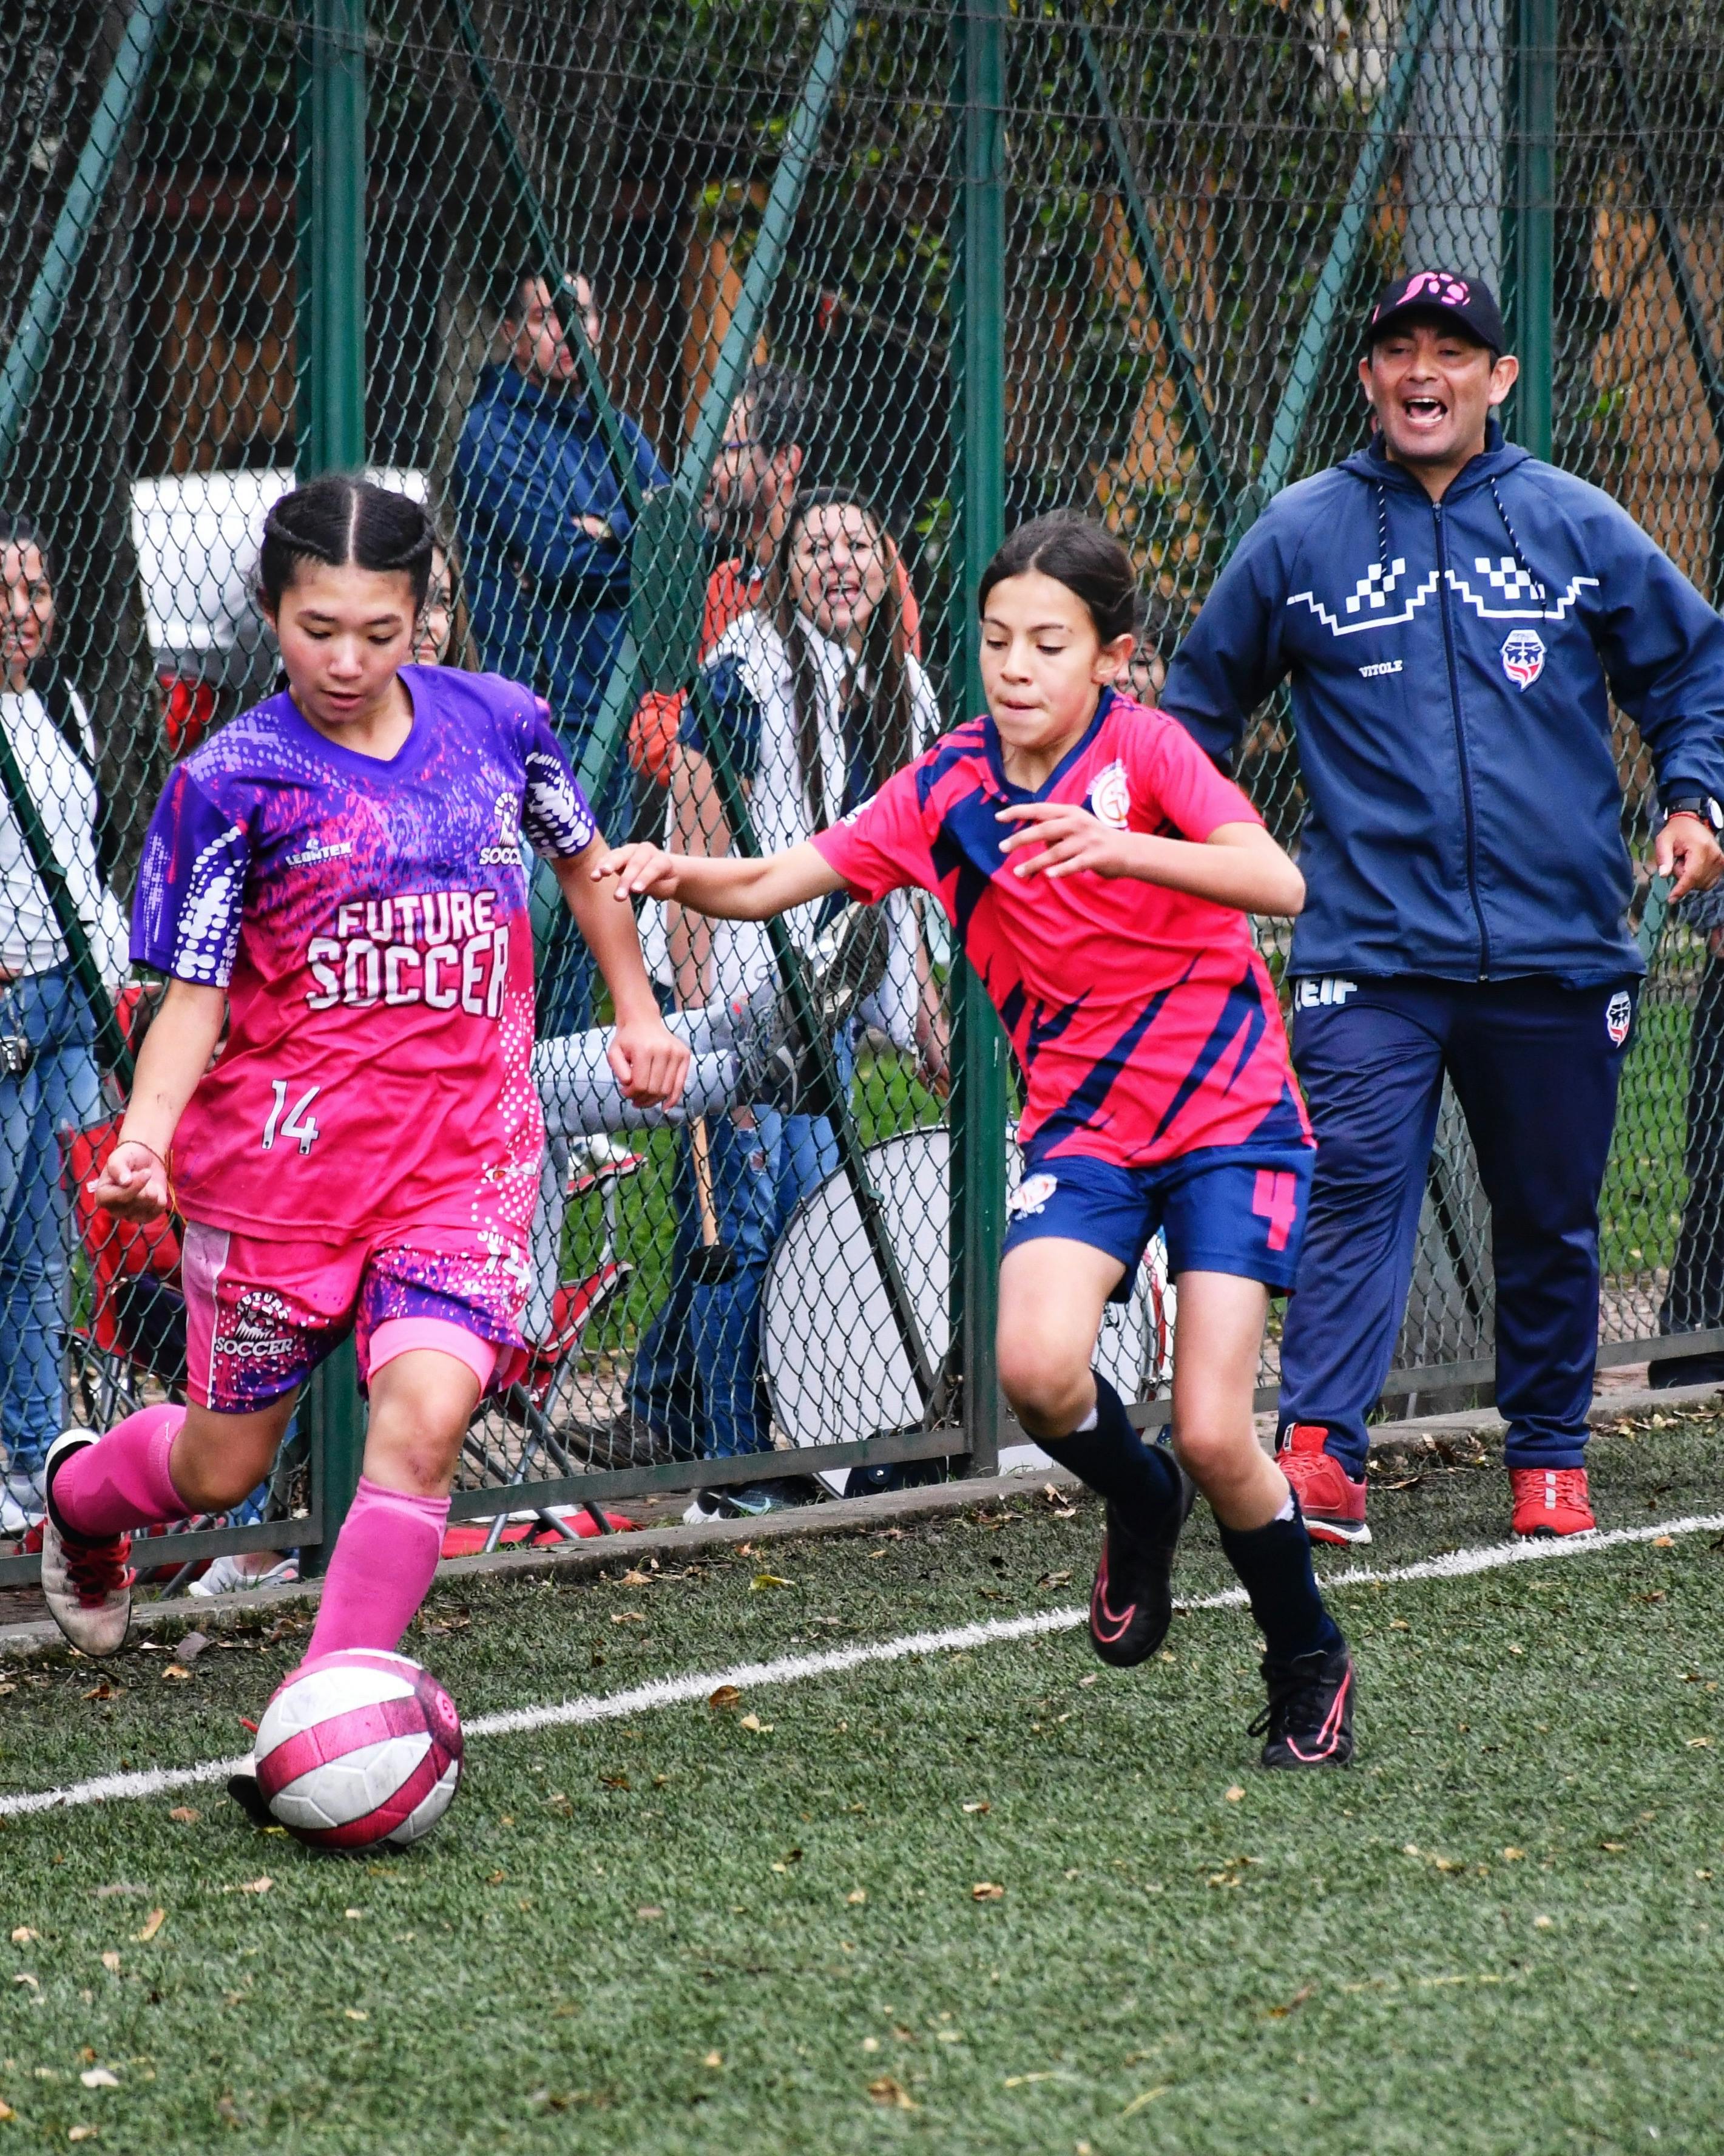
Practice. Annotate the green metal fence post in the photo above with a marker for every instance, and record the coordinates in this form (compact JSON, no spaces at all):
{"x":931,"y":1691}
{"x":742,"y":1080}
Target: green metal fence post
{"x":979,"y":1066}
{"x":1532,"y":307}
{"x":329,"y":429}
{"x":330,"y":436}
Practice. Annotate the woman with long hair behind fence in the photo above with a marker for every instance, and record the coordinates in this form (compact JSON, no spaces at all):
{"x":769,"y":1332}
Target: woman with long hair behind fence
{"x":818,"y":697}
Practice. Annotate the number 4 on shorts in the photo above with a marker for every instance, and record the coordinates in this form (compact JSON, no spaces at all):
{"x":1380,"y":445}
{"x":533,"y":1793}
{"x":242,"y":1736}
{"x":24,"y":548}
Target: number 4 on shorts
{"x":295,"y":1125}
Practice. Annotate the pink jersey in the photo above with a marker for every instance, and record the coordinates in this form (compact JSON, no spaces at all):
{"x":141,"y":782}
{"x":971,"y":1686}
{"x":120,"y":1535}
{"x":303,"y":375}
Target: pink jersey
{"x":369,"y":920}
{"x":1145,"y":1021}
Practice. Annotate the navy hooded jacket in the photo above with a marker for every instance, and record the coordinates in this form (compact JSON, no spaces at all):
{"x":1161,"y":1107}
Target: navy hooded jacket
{"x":549,"y":604}
{"x":1449,"y":667}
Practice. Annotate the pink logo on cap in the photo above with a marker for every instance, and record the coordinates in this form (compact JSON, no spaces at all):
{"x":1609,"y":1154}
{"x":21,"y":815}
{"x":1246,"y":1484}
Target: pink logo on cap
{"x":1439,"y":286}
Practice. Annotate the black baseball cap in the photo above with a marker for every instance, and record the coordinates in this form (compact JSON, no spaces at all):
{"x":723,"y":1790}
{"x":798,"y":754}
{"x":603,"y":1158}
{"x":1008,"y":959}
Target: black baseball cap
{"x":1441,"y":293}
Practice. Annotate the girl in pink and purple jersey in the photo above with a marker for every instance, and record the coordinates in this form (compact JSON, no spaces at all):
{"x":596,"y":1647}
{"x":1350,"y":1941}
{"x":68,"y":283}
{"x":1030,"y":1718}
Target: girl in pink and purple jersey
{"x":1098,"y":871}
{"x":337,"y":874}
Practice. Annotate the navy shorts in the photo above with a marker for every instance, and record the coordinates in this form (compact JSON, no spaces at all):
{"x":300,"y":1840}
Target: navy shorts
{"x":1224,"y":1209}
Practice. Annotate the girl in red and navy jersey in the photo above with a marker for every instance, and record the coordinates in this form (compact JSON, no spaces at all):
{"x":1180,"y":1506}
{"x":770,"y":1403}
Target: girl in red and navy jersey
{"x":337,"y":875}
{"x":1098,"y":871}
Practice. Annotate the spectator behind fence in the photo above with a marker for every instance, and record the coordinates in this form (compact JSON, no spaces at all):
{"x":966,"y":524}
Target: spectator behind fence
{"x":434,"y":631}
{"x":819,"y":697}
{"x":540,"y":512}
{"x":1694,"y":1295}
{"x":771,"y":448}
{"x":48,"y":1079}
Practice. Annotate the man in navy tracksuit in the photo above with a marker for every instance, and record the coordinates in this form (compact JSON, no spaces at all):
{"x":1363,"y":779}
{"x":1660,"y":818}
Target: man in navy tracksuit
{"x":1453,"y":615}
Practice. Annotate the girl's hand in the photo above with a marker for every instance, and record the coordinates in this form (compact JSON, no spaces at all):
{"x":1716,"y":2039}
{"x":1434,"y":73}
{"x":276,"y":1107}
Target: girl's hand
{"x":1071,"y":838}
{"x":642,"y":871}
{"x":133,"y":1183}
{"x":651,"y":1064}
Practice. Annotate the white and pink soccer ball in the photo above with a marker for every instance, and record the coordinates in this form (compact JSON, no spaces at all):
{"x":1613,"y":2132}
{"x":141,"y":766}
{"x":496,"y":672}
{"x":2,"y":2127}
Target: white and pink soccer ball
{"x":359,"y":1748}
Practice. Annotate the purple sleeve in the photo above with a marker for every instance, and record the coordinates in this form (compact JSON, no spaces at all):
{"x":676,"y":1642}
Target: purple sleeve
{"x":185,"y":915}
{"x":554,"y":814}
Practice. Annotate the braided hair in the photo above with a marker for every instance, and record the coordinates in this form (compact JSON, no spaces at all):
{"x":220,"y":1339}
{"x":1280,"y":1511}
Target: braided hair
{"x":344,"y":522}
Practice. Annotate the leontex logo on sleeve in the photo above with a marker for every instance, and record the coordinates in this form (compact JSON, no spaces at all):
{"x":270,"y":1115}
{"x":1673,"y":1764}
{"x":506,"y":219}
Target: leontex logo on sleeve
{"x":1523,"y":657}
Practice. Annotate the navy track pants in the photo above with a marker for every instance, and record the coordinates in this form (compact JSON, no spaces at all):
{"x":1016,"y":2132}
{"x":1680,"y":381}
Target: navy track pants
{"x":1535,"y":1067}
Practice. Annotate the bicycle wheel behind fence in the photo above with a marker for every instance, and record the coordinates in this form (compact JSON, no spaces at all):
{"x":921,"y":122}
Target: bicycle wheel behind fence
{"x":834,"y":1362}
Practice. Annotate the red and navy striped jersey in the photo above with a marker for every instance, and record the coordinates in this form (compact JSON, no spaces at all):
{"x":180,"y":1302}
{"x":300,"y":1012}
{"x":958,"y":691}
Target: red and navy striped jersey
{"x":1144,"y":1020}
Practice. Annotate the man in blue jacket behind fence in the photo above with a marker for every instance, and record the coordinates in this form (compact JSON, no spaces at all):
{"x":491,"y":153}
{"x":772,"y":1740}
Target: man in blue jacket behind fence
{"x":1453,"y":616}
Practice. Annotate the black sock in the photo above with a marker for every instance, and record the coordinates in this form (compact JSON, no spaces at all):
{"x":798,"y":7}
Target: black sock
{"x":1275,"y":1569}
{"x":1113,"y":1459}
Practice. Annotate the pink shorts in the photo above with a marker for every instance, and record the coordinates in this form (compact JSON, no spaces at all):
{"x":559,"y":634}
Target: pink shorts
{"x":261,"y":1314}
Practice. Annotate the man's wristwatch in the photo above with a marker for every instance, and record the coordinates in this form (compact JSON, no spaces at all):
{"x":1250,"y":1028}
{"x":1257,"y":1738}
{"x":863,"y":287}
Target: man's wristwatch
{"x":1697,"y":804}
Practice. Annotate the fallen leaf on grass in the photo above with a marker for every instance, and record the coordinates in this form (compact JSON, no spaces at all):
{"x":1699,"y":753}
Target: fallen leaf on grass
{"x":856,"y":1896}
{"x":23,"y":1935}
{"x":98,"y":2077}
{"x":985,"y":1890}
{"x":769,"y":1579}
{"x":1148,"y":2096}
{"x":1663,"y":1542}
{"x":1233,"y":1793}
{"x":649,"y":1912}
{"x":111,"y":1961}
{"x":250,"y":1887}
{"x":635,"y":1577}
{"x":754,"y":1722}
{"x":885,"y":2090}
{"x":614,"y":1781}
{"x":1299,"y":1998}
{"x":1513,"y":1856}
{"x":82,"y":2134}
{"x":1700,"y":1744}
{"x":1024,"y":2081}
{"x":982,"y":1804}
{"x":792,"y":1857}
{"x":627,"y":1617}
{"x":6,"y":2112}
{"x":152,"y":1924}
{"x":24,"y":1976}
{"x":713,"y":2059}
{"x":1054,"y":1579}
{"x":176,"y":1673}
{"x":726,"y":1697}
{"x":185,"y":1815}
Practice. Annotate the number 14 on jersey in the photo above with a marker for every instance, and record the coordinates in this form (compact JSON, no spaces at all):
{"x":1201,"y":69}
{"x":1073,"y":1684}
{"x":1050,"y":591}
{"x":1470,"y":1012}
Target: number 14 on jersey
{"x":296,"y":1124}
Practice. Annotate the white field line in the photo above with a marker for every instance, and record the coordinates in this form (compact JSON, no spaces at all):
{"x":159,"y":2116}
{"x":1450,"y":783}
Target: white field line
{"x":798,"y":1669}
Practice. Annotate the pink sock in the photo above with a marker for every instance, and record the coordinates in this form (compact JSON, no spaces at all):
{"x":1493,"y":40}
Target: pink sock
{"x":121,"y":1480}
{"x":381,"y":1572}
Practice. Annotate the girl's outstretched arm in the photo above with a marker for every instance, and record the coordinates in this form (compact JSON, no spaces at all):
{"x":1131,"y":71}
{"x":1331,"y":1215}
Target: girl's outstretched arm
{"x":649,"y":1059}
{"x":731,"y":887}
{"x":1237,"y":864}
{"x":176,"y":1053}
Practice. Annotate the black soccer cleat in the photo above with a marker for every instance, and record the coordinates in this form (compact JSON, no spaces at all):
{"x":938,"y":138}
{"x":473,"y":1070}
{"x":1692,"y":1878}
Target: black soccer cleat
{"x":1309,"y":1719}
{"x":1131,"y":1603}
{"x":250,"y":1799}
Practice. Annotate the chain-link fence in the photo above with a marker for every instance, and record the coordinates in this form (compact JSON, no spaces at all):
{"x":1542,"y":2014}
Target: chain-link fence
{"x":724,"y":340}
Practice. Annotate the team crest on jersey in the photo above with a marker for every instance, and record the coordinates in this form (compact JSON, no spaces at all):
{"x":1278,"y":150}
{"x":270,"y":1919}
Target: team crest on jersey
{"x":1618,"y":1017}
{"x":1032,"y":1195}
{"x":1523,"y":657}
{"x":1110,"y":797}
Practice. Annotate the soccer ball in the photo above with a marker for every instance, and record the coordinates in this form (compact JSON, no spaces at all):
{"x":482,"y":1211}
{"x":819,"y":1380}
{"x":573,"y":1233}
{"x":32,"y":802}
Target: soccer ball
{"x":359,"y":1748}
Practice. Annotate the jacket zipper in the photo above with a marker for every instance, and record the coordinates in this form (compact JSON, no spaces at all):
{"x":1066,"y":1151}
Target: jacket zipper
{"x":1466,"y":775}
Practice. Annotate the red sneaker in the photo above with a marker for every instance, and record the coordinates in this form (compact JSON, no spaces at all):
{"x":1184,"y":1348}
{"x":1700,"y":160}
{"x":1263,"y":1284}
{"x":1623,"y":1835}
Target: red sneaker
{"x":1332,"y":1503}
{"x":1550,"y":1500}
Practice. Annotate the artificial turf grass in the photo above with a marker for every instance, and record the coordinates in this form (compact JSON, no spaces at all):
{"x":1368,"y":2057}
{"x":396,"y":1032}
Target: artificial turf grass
{"x":1565,"y":1745}
{"x":499,"y":1641}
{"x":1162,"y":1964}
